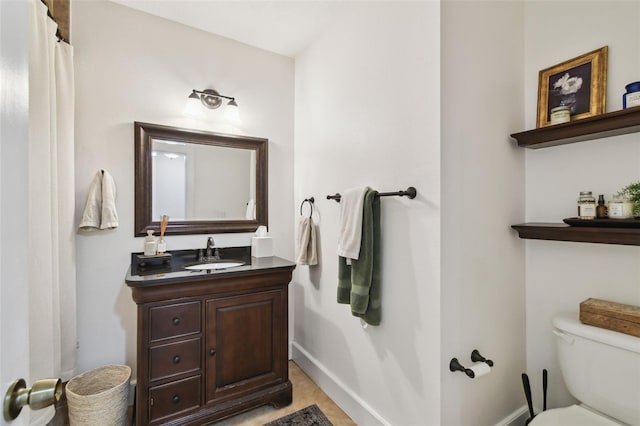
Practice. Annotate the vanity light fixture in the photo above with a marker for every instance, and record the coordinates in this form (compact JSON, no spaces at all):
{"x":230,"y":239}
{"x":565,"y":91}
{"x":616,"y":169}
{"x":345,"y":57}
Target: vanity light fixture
{"x":212,"y":99}
{"x":231,"y":112}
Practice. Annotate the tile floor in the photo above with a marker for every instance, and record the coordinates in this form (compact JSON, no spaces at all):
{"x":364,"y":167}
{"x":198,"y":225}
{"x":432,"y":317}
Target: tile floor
{"x":305,"y":393}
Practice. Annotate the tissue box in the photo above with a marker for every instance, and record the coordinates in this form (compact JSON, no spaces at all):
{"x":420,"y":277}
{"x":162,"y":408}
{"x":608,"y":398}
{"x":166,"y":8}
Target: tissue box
{"x":261,"y":247}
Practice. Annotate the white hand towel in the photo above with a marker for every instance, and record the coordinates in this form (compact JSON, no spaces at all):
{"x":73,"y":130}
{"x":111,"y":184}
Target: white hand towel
{"x":351,"y":203}
{"x":100,"y":207}
{"x":306,"y":250}
{"x":109,"y":218}
{"x":93,"y":205}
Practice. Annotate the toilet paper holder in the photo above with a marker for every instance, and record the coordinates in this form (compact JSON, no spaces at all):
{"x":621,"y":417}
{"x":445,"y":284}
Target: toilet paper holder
{"x":454,"y":364}
{"x":476,"y":357}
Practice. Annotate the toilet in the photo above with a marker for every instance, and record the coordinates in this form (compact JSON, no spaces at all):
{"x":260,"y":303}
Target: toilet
{"x":601,"y":369}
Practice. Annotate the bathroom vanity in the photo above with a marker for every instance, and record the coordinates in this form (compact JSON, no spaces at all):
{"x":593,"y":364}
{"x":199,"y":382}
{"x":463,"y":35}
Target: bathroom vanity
{"x":211,"y":343}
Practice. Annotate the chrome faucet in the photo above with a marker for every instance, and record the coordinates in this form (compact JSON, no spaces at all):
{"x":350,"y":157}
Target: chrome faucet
{"x":212,"y":253}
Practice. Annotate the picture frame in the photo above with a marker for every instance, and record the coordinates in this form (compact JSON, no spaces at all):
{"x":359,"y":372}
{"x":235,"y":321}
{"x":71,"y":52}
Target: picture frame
{"x":579,"y":83}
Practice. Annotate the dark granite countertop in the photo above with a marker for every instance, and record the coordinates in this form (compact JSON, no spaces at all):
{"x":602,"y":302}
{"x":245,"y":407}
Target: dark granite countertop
{"x":159,"y":272}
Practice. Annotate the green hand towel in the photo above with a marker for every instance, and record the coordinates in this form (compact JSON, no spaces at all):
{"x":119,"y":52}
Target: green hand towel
{"x":359,"y":283}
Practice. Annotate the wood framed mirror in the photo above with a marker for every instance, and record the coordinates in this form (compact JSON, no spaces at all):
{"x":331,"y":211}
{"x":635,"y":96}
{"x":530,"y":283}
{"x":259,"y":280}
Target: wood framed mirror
{"x":205,"y":182}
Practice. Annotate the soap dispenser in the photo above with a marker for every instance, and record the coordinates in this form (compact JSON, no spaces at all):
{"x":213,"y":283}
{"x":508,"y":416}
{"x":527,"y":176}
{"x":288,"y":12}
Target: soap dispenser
{"x":150,"y":244}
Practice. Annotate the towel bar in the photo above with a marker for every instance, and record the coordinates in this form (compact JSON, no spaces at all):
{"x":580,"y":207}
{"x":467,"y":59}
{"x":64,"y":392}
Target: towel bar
{"x":410,"y":192}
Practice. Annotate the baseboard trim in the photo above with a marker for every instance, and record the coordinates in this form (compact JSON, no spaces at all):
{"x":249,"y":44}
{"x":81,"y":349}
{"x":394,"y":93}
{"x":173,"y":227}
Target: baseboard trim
{"x":517,"y":418}
{"x":355,"y":407}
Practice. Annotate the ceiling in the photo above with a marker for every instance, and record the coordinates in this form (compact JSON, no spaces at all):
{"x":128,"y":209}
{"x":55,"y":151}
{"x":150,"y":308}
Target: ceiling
{"x":283,"y":27}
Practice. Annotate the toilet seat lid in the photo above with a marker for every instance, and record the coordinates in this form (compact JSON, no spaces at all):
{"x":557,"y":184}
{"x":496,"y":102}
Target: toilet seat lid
{"x":574,"y":415}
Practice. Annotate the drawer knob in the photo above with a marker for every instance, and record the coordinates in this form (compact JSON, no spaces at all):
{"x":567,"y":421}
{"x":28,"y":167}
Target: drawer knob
{"x":176,"y":399}
{"x":176,"y":321}
{"x":176,"y":359}
{"x":212,"y":351}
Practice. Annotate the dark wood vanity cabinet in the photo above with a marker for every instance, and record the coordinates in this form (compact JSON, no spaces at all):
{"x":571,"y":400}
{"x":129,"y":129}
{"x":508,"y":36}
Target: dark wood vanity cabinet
{"x":212,"y":346}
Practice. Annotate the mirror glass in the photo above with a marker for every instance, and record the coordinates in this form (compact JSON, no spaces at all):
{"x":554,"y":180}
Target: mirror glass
{"x":182,"y":187}
{"x":205,"y":182}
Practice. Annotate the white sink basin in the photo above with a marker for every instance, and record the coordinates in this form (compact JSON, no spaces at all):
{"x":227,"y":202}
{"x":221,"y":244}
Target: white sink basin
{"x":213,"y":265}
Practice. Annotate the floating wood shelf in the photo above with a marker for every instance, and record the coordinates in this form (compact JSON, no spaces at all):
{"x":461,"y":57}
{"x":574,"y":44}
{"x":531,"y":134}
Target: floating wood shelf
{"x":605,"y":125}
{"x":563,"y":232}
{"x":601,"y":126}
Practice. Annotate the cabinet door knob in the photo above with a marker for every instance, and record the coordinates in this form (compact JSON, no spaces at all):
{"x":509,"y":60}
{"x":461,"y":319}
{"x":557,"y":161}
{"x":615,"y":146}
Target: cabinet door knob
{"x":212,"y":351}
{"x":176,"y":321}
{"x":175,"y":399}
{"x":176,"y":359}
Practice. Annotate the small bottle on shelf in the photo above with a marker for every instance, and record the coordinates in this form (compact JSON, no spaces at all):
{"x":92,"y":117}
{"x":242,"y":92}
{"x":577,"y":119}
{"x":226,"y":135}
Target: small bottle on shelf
{"x":631,"y":98}
{"x":150,"y":244}
{"x":162,"y":246}
{"x":601,"y":209}
{"x":586,"y":206}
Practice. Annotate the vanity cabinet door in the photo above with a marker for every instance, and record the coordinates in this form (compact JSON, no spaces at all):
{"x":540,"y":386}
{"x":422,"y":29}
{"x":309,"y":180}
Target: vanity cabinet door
{"x":245,"y":343}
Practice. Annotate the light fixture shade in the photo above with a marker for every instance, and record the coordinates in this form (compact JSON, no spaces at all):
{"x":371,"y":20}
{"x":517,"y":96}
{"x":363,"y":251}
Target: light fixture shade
{"x":231,"y":112}
{"x":211,"y":99}
{"x":193,"y":107}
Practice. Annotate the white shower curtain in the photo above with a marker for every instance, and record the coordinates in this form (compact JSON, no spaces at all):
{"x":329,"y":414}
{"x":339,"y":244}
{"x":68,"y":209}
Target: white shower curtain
{"x":51,"y":239}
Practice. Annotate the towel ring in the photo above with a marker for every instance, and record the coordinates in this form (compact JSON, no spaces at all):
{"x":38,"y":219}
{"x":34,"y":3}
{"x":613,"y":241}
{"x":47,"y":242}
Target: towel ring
{"x":310,"y":200}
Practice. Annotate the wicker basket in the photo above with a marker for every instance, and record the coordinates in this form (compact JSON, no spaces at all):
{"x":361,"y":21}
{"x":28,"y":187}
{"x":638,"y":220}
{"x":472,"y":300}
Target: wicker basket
{"x":99,"y":397}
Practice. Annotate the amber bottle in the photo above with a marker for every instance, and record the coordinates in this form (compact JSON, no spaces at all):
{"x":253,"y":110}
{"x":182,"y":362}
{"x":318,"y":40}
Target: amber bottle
{"x":601,"y":208}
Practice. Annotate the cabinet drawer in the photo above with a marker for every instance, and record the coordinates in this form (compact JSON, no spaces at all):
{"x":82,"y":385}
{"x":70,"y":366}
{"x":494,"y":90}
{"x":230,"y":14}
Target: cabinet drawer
{"x":174,"y":320}
{"x":174,"y":398}
{"x":174,"y":358}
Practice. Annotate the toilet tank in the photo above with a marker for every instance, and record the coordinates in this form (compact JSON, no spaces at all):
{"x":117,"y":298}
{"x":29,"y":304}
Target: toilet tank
{"x":600,"y":367}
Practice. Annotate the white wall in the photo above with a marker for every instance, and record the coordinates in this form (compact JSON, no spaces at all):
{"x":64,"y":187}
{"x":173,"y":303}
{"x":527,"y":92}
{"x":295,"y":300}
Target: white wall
{"x":367,"y":114}
{"x":482,"y":195}
{"x":131,"y":66}
{"x":562,"y":274}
